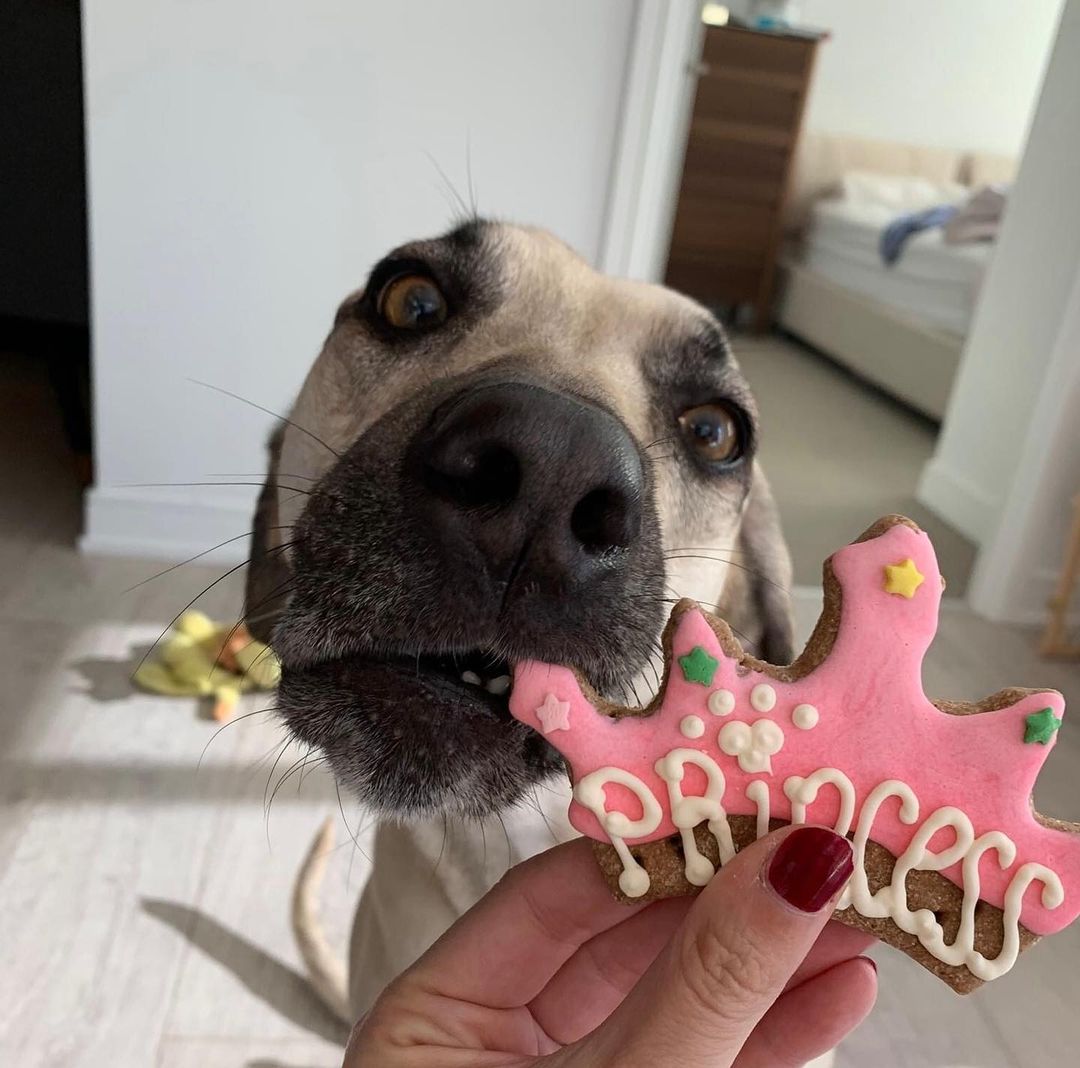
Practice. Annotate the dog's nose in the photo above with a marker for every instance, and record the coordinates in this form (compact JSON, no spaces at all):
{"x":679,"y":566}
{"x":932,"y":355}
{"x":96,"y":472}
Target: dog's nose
{"x":546,"y":486}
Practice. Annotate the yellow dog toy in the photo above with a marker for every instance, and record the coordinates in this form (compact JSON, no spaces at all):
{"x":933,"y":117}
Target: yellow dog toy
{"x":201,"y":658}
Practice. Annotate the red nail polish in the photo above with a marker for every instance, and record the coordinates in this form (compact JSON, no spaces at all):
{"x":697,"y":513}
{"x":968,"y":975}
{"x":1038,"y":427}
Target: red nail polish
{"x":810,"y":866}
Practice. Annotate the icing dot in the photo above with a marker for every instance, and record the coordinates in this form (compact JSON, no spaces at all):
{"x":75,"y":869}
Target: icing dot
{"x":767,"y":735}
{"x":721,"y":702}
{"x":763,"y":697}
{"x":692,"y":726}
{"x":634,"y":882}
{"x":734,"y":738}
{"x":752,"y":745}
{"x":805,"y":717}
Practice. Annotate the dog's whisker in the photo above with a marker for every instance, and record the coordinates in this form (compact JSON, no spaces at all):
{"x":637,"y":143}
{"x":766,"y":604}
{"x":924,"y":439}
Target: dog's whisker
{"x":199,"y":556}
{"x":169,"y":625}
{"x":732,"y":563}
{"x":296,"y":769}
{"x":181,"y":485}
{"x":344,"y":819}
{"x":711,"y":606}
{"x":316,"y":763}
{"x":258,"y":474}
{"x":543,"y":815}
{"x":230,"y":723}
{"x":458,"y":198}
{"x":442,"y":846}
{"x":270,"y":777}
{"x":469,"y":177}
{"x":263,"y":653}
{"x":506,"y":835}
{"x":277,"y":786}
{"x":704,"y":549}
{"x":248,"y":618}
{"x":276,"y":415}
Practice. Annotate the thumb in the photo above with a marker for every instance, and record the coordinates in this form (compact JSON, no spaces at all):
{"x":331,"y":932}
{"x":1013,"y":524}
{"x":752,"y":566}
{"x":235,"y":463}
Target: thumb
{"x":742,"y":940}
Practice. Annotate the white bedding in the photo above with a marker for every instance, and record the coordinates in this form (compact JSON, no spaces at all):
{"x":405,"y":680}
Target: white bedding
{"x":932,"y":282}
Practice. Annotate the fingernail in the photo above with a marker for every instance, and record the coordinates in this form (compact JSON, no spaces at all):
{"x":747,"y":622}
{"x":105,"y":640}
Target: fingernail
{"x":810,"y":867}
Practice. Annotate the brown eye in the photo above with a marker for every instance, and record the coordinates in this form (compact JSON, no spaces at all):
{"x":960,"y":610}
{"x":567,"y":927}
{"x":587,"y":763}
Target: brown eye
{"x":713,"y":431}
{"x":412,"y":302}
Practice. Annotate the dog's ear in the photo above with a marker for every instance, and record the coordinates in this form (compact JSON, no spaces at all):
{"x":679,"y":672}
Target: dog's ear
{"x":268,"y":572}
{"x":757,"y":594}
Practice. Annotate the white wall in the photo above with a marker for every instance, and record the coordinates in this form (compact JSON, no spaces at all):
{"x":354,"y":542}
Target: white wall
{"x":1018,"y":569}
{"x":954,"y":73}
{"x":249,"y":161}
{"x":1020,"y":340}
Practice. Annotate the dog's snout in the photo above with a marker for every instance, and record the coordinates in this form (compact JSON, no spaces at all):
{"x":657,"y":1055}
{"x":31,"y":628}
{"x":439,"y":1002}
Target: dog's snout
{"x":534,"y":479}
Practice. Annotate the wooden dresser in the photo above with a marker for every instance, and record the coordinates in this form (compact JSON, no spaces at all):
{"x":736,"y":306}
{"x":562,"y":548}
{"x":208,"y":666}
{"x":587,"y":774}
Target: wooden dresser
{"x":747,"y":114}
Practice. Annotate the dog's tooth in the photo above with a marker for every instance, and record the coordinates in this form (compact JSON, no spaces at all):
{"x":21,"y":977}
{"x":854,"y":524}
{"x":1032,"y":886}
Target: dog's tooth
{"x":498,"y":685}
{"x":471,"y":678}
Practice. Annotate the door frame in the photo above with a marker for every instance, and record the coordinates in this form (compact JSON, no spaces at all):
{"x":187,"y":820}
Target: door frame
{"x":658,"y":98}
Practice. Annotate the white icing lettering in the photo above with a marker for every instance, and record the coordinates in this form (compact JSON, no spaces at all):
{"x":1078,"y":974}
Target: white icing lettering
{"x":758,"y":792}
{"x":688,"y":812}
{"x":805,"y":717}
{"x":589,"y":791}
{"x":803,"y":792}
{"x":891,"y":901}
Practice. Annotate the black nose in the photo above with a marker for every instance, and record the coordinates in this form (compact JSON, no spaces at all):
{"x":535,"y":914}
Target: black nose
{"x":545,"y":486}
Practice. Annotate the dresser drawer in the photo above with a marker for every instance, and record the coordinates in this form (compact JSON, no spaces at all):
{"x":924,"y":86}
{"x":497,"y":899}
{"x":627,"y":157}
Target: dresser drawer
{"x":737,"y":97}
{"x":722,"y":167}
{"x":761,"y":54}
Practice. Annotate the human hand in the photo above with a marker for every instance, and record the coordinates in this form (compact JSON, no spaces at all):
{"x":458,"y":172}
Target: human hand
{"x":549,"y":967}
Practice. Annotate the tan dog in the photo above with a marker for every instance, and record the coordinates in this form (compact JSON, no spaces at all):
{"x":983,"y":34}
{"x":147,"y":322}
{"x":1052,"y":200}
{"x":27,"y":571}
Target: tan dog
{"x":501,"y":454}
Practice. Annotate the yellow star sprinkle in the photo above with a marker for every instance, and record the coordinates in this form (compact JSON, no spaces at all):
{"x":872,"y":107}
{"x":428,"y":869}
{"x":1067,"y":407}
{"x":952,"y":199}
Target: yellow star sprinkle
{"x":903,"y":579}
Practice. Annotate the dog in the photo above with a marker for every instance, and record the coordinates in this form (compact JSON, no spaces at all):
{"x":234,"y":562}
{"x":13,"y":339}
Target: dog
{"x":498,"y":454}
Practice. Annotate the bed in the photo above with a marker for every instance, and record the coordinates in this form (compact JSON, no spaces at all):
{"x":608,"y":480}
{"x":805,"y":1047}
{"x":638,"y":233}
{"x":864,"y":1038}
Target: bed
{"x":900,"y":327}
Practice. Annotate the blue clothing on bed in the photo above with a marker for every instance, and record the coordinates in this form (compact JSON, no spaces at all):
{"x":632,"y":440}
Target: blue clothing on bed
{"x":896,"y":234}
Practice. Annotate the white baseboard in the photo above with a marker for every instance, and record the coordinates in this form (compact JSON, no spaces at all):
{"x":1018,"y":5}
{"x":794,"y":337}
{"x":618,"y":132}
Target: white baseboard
{"x":157,"y":525}
{"x":1030,"y":608}
{"x":962,"y":504}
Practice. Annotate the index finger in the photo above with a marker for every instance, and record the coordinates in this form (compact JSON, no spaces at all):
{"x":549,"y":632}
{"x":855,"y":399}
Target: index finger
{"x":507,"y":947}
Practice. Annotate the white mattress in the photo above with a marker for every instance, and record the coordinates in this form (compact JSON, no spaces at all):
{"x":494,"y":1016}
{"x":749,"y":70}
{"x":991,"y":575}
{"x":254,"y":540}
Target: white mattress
{"x":934,"y":283}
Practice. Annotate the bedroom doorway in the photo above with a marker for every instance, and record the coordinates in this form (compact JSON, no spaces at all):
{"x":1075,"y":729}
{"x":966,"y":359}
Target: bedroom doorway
{"x":837,"y":206}
{"x":45,"y":431}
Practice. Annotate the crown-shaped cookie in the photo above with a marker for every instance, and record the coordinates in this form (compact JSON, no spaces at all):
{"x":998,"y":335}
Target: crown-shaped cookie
{"x":953,"y":864}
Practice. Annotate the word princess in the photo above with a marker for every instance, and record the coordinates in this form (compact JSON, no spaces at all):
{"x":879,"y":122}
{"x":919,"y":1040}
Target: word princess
{"x":846,"y":737}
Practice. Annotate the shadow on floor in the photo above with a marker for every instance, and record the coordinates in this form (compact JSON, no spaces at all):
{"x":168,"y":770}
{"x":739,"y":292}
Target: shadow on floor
{"x":109,"y":678}
{"x":286,"y":991}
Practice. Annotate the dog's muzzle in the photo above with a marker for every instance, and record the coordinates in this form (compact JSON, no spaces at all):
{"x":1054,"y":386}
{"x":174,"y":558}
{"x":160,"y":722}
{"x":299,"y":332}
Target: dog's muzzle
{"x":544,"y":487}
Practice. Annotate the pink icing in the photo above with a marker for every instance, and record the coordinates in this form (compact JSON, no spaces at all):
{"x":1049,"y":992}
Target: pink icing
{"x":875,"y":723}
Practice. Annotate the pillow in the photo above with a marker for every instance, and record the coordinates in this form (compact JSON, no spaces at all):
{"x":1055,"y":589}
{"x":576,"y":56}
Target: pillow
{"x":900,"y":193}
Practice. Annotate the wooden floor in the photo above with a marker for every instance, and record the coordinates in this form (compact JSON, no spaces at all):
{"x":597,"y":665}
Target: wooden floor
{"x":144,"y":884}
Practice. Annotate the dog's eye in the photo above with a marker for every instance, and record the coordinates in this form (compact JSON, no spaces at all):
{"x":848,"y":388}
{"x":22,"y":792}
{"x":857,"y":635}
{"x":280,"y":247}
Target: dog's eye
{"x":713,"y":432}
{"x":412,"y":302}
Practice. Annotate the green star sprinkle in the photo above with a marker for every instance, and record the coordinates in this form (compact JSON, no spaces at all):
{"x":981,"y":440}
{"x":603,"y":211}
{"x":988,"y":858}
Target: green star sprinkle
{"x":1039,"y":726}
{"x":698,"y":666}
